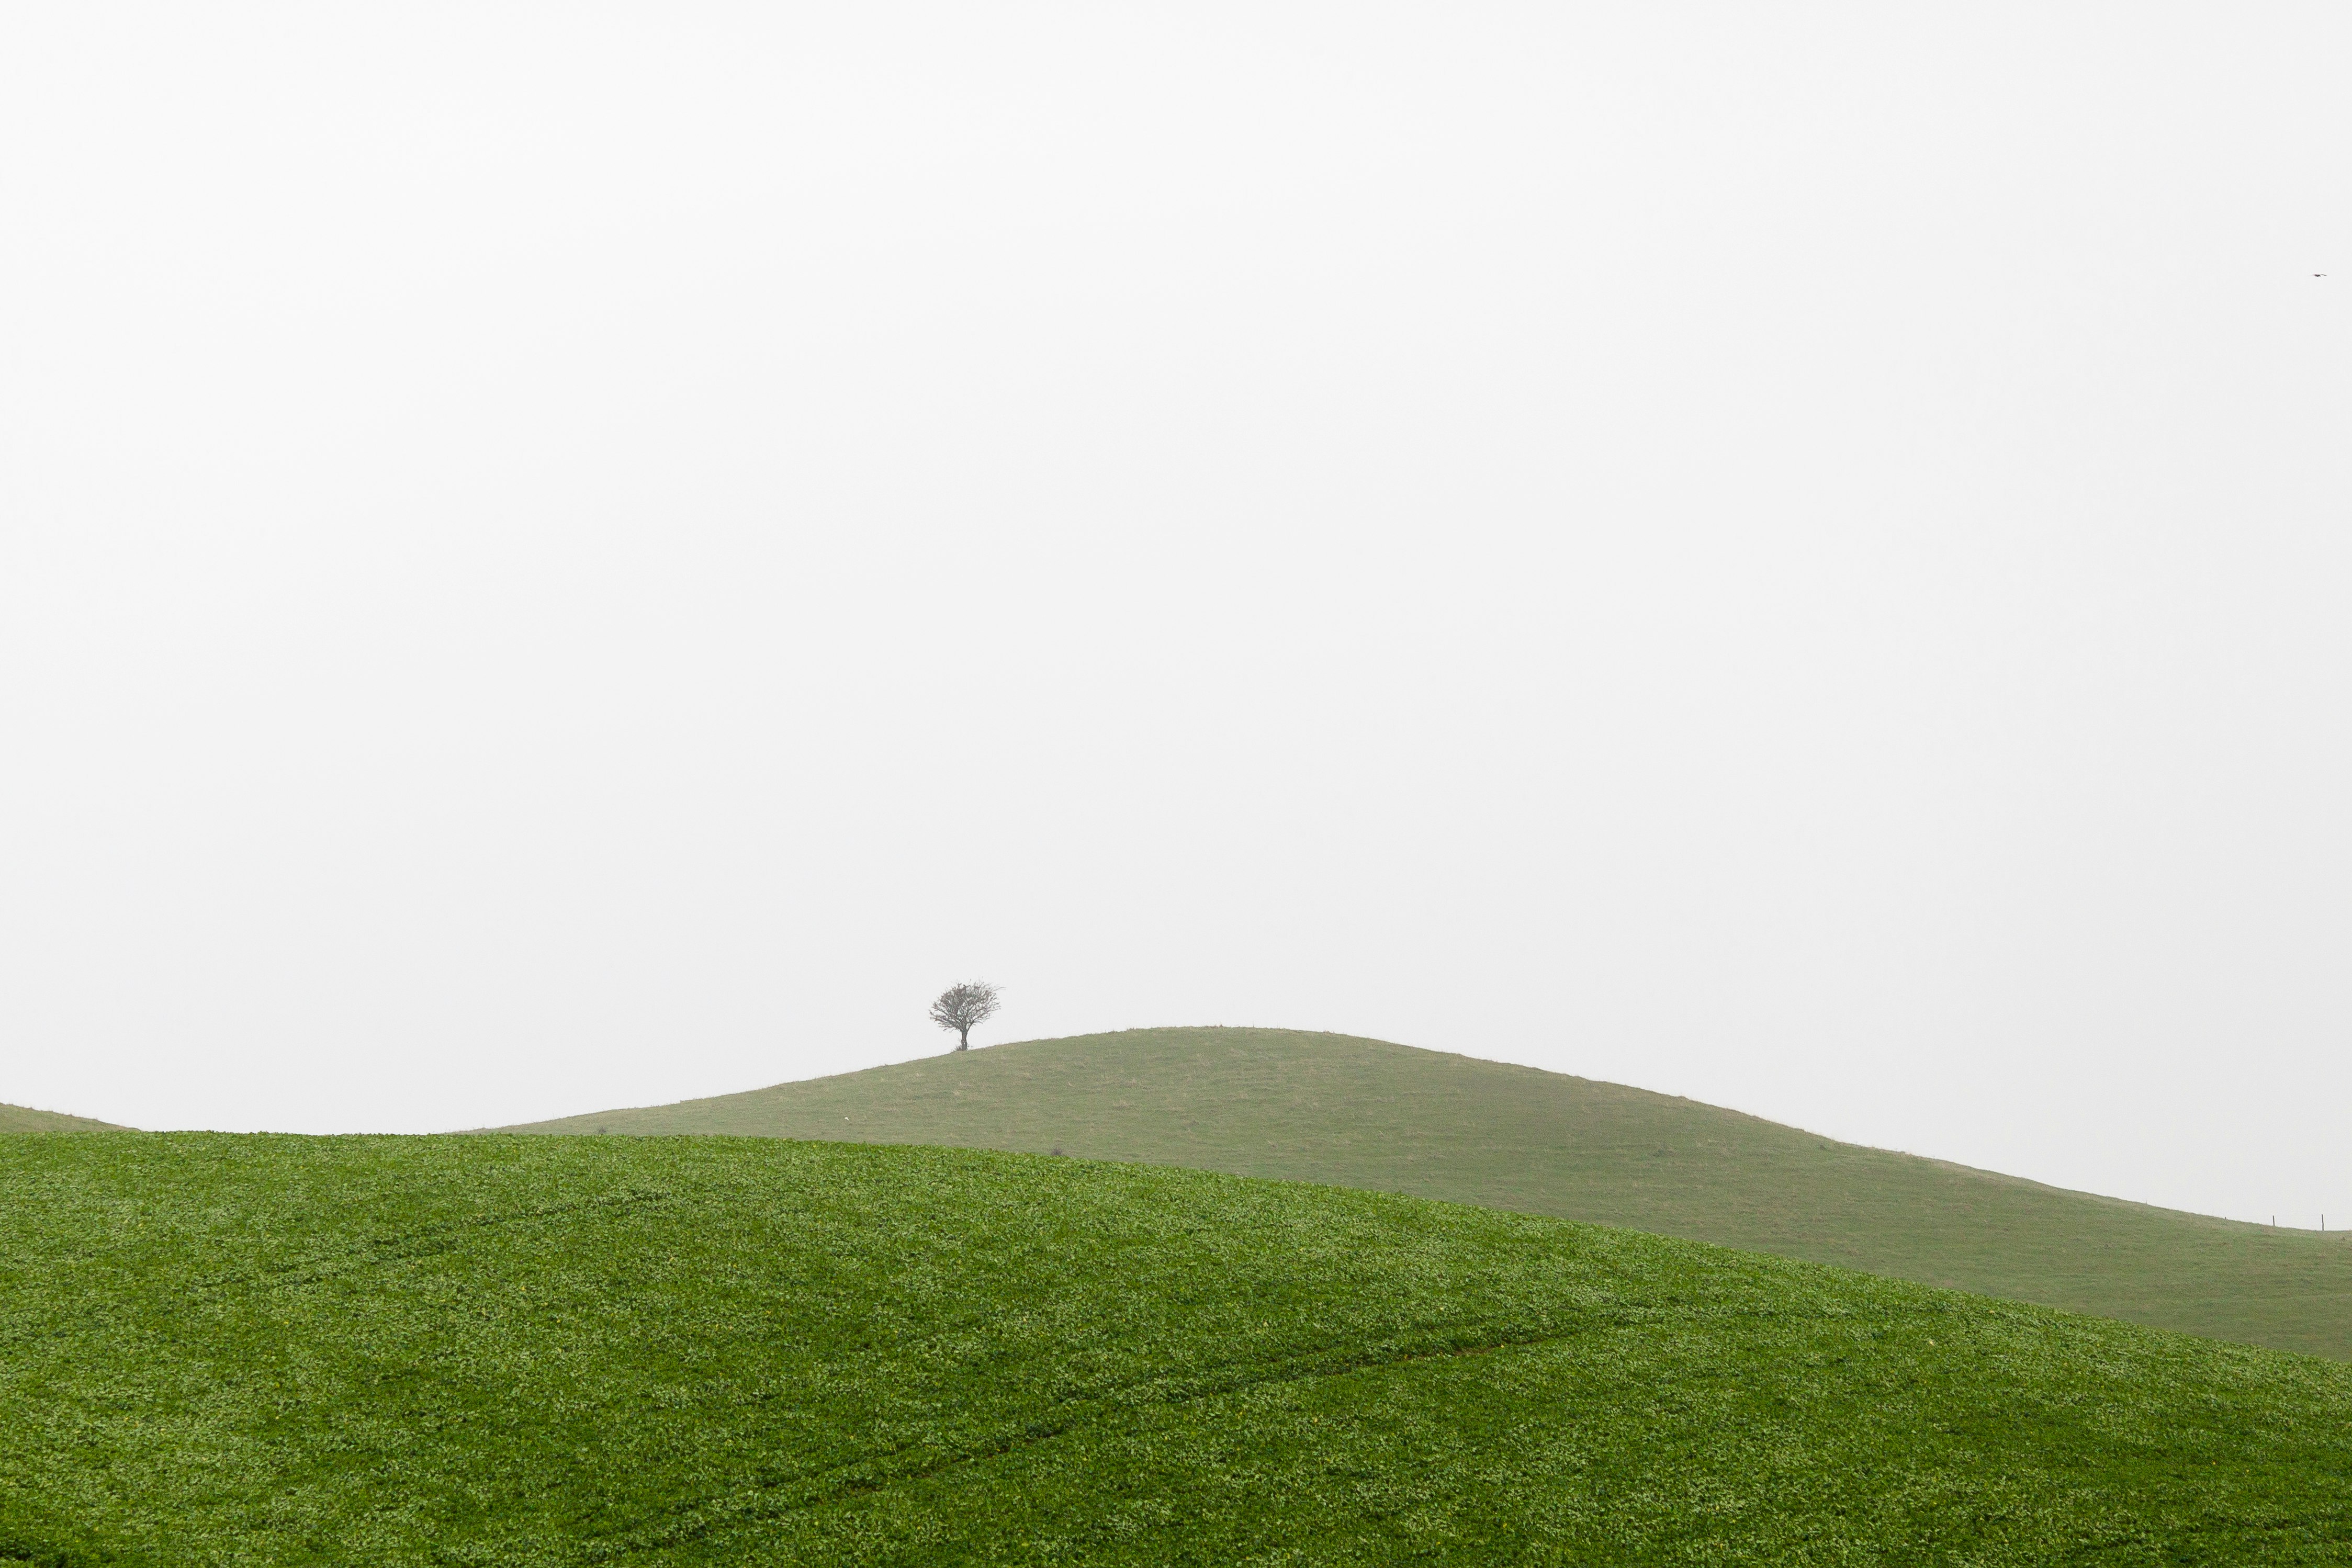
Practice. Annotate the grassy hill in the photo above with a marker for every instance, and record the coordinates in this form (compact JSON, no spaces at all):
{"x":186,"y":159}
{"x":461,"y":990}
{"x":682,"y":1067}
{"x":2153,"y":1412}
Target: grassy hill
{"x":256,"y":1350}
{"x":20,"y":1119}
{"x":1365,"y":1114}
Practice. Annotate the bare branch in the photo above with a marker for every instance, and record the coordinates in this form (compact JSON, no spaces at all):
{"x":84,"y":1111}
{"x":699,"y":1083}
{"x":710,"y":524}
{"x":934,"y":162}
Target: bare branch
{"x":964,"y":1007}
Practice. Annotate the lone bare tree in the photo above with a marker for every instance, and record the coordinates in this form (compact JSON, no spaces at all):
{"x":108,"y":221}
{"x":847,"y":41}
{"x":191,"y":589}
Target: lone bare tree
{"x":963,"y":1008}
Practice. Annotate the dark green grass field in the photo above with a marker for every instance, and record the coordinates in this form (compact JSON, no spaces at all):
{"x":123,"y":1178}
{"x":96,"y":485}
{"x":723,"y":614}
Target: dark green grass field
{"x":1366,"y":1113}
{"x":20,"y":1119}
{"x":220,"y":1349}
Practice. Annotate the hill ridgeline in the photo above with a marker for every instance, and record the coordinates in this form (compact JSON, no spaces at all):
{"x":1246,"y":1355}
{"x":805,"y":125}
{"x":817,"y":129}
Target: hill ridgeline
{"x":1370,"y":1114}
{"x":23,"y":1119}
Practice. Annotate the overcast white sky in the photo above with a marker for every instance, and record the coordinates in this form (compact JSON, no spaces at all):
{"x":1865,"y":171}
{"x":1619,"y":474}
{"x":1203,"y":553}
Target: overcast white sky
{"x":554,"y":556}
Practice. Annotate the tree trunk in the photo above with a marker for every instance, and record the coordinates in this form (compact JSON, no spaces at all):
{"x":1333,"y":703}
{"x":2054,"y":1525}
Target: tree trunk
{"x":964,"y":1039}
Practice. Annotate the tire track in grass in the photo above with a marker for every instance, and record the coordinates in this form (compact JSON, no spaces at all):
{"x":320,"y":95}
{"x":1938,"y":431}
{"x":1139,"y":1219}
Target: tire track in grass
{"x":840,"y":1483}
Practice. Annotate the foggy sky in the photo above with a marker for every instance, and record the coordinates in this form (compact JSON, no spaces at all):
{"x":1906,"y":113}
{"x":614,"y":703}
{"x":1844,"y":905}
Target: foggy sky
{"x":556,"y":557}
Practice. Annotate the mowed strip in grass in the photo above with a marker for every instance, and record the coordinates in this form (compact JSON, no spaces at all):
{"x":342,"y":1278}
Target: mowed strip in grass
{"x":1364,"y":1112}
{"x":224,"y":1349}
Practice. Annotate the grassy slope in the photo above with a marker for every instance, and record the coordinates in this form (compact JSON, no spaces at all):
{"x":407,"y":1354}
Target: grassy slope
{"x":1364,"y":1113}
{"x":219,"y":1349}
{"x":21,"y":1119}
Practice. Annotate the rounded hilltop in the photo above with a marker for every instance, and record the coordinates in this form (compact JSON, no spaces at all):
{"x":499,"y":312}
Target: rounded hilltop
{"x":1308,"y":1105}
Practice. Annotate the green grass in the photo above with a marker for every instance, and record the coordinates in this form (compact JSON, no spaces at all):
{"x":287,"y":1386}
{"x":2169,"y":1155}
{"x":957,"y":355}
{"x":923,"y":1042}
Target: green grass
{"x":1365,"y":1114}
{"x":220,"y":1349}
{"x":21,"y":1119}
